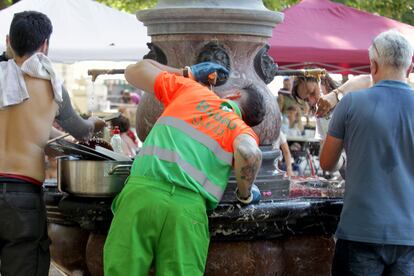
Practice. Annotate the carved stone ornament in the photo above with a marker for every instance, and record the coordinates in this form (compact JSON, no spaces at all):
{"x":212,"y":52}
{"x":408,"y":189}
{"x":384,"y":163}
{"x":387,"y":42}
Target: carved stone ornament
{"x":264,"y":65}
{"x":156,"y":54}
{"x":214,"y":52}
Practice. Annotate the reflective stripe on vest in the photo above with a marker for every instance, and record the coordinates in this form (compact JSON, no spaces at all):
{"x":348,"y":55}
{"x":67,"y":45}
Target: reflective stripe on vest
{"x":171,"y":156}
{"x":198,"y":136}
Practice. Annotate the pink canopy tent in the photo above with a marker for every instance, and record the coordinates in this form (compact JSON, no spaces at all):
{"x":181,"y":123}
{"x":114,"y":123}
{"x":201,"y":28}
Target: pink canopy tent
{"x":329,"y":35}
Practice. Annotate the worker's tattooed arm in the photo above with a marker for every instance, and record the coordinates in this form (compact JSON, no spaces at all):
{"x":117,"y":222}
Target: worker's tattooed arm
{"x":247,"y":161}
{"x":144,"y":73}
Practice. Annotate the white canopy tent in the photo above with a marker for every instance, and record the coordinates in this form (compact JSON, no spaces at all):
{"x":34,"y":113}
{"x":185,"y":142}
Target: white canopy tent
{"x":84,"y":30}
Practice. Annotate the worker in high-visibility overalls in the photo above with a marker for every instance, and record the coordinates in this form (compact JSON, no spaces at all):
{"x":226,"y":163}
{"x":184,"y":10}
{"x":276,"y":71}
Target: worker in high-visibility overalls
{"x":182,"y":169}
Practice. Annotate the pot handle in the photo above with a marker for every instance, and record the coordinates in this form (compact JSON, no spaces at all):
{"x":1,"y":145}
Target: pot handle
{"x":120,"y":169}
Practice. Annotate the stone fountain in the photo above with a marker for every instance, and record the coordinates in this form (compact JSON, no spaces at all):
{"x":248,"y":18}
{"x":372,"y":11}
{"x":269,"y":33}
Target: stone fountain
{"x":188,"y":32}
{"x":279,"y":236}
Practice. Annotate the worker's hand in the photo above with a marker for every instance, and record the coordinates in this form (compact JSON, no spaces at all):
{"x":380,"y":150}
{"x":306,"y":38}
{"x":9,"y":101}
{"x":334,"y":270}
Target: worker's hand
{"x":98,"y":123}
{"x":325,"y":104}
{"x":254,"y":197}
{"x":201,"y":72}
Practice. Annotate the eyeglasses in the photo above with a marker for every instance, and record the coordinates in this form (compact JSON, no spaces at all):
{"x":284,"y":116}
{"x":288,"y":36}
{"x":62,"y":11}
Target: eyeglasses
{"x":375,"y":48}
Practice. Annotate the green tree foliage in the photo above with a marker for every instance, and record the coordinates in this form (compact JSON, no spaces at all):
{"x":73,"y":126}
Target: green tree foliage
{"x":5,"y":3}
{"x":401,"y":10}
{"x":279,"y":5}
{"x":130,"y":6}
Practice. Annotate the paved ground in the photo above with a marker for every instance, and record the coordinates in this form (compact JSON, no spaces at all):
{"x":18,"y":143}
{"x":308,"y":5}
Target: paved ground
{"x":54,"y":272}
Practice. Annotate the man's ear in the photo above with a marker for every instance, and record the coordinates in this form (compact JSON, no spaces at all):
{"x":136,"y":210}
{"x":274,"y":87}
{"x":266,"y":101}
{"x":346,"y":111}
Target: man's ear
{"x":45,"y":47}
{"x":374,"y":67}
{"x":9,"y":50}
{"x":233,"y":96}
{"x":410,"y":69}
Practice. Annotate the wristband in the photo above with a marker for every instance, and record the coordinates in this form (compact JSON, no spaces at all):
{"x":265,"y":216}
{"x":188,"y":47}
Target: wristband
{"x":339,"y":94}
{"x":244,"y":201}
{"x":186,"y":72}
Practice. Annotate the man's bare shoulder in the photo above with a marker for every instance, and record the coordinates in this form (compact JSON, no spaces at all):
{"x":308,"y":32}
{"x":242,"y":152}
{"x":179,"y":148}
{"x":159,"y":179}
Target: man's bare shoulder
{"x":38,"y":87}
{"x":37,"y":81}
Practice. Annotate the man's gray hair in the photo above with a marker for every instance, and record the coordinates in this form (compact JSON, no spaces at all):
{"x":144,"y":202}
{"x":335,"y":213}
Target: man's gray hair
{"x":391,"y":48}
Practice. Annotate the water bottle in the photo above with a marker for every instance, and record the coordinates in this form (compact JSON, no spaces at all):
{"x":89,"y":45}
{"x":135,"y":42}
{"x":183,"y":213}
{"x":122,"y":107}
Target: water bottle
{"x":107,"y":134}
{"x":116,"y":140}
{"x":285,"y":124}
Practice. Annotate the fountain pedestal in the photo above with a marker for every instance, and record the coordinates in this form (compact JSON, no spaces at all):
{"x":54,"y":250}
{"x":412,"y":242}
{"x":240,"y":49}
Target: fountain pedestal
{"x":290,"y":237}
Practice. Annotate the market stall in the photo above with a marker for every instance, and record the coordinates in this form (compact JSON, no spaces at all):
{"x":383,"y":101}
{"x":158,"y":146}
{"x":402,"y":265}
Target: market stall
{"x":329,"y":35}
{"x":84,"y":30}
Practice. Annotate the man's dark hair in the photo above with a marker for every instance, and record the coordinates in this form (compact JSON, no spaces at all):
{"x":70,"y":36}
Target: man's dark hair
{"x":122,"y":122}
{"x":253,"y":108}
{"x":28,"y":31}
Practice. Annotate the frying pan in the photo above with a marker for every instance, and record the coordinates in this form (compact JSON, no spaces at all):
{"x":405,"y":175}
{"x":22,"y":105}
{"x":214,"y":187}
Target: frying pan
{"x":81,"y":151}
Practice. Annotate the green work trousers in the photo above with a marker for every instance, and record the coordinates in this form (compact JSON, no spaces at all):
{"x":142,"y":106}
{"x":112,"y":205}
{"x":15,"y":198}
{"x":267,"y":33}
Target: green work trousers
{"x":157,"y":224}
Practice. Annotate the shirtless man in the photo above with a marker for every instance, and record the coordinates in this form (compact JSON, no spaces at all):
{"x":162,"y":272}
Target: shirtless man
{"x":25,"y":128}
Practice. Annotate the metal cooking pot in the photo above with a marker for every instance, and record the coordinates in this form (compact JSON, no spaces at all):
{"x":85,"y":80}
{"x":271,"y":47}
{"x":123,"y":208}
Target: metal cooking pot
{"x":91,"y":178}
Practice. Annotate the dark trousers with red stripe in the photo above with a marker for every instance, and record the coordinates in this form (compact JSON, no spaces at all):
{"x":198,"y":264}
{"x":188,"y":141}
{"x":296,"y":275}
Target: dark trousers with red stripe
{"x":24,"y":243}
